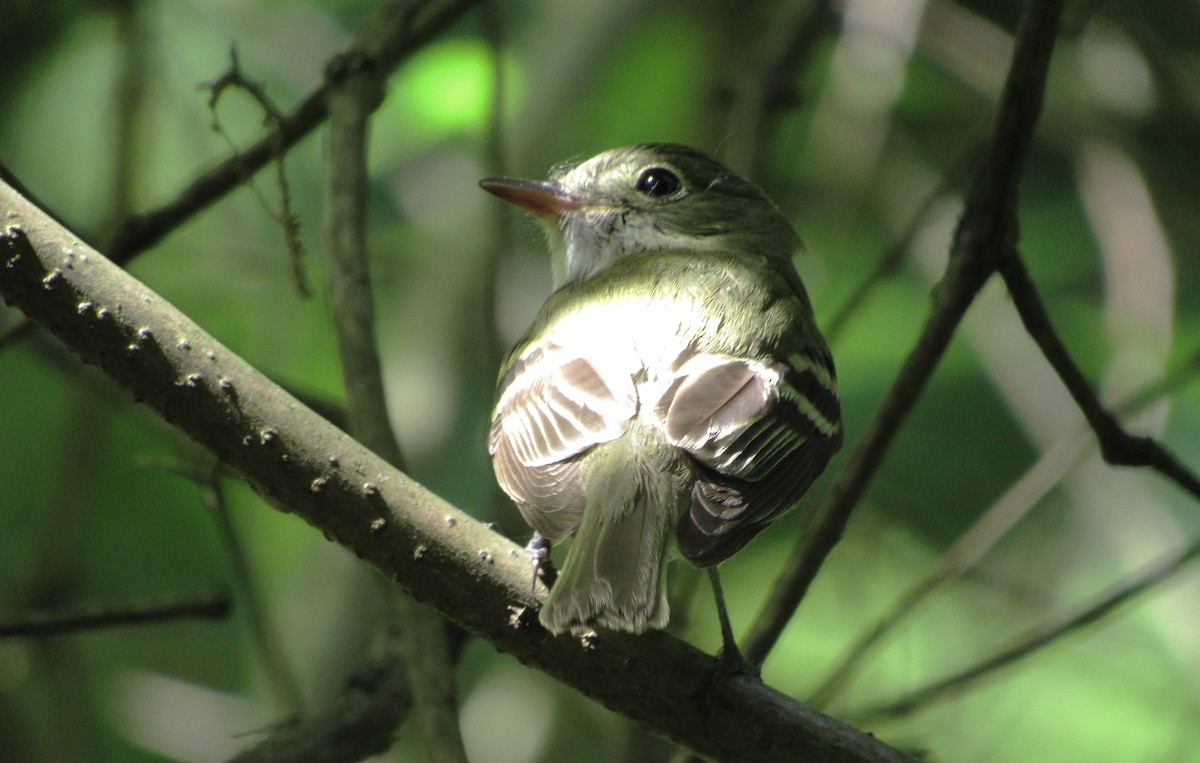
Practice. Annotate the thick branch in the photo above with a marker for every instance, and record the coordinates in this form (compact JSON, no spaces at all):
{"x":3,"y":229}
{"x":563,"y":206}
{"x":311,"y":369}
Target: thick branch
{"x":987,"y":230}
{"x":435,"y":552}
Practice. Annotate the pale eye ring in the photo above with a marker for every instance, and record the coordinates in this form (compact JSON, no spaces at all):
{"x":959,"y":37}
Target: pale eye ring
{"x":658,"y":183}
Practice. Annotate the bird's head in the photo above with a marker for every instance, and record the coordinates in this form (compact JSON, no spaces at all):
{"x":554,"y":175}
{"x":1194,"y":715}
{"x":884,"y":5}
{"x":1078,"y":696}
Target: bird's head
{"x":646,"y":198}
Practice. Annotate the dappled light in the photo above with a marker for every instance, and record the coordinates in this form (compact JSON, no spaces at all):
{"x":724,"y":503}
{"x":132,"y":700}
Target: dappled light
{"x":998,"y":244}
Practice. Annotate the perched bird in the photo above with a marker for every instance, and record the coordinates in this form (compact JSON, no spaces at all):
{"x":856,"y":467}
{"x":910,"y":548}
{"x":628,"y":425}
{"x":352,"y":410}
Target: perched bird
{"x":673,"y":390}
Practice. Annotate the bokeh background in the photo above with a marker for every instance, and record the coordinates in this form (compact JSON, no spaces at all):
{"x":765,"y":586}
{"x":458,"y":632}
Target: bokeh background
{"x":862,"y":119}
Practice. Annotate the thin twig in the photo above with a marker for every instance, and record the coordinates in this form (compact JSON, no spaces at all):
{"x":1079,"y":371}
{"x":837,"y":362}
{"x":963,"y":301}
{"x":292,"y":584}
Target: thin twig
{"x":143,"y":231}
{"x":266,"y":640}
{"x":769,"y":86}
{"x":140,"y":232}
{"x":495,"y":159}
{"x":1088,"y":614}
{"x":987,"y":229}
{"x":992,"y":525}
{"x":212,"y":604}
{"x":891,"y":260}
{"x":129,"y":96}
{"x":1116,"y":445}
{"x":233,"y":77}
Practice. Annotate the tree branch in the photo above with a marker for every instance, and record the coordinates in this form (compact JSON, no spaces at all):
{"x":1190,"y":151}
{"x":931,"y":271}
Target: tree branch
{"x":279,"y":673}
{"x":986,"y":232}
{"x":213,"y":604}
{"x":355,"y":91}
{"x":373,"y":704}
{"x":141,"y":232}
{"x":1117,"y":446}
{"x":389,"y":44}
{"x":436,"y":553}
{"x":893,"y":257}
{"x":1087,"y":614}
{"x":991,"y":526}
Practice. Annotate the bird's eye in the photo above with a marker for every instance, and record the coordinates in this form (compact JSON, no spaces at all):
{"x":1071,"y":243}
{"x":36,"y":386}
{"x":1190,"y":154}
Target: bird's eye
{"x":658,"y":182}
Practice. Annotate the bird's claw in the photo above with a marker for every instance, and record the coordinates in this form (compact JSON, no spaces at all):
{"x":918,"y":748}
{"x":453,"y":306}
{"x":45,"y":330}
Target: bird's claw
{"x":539,"y":549}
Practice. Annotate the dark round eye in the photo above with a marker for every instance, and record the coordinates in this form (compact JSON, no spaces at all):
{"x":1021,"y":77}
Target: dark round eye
{"x":658,"y":182}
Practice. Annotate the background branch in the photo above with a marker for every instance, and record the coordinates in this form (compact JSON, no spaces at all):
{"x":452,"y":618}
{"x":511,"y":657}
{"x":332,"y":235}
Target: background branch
{"x":356,"y":89}
{"x":994,"y":524}
{"x":388,"y":51}
{"x":1116,"y":445}
{"x":266,"y":640}
{"x":987,"y":229}
{"x":1091,"y":612}
{"x":850,"y":115}
{"x":387,"y":44}
{"x":358,"y":724}
{"x":213,"y":604}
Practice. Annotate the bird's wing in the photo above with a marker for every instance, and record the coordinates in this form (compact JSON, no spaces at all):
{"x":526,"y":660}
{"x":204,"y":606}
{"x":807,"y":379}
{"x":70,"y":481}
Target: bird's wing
{"x":759,"y":432}
{"x":555,"y":404}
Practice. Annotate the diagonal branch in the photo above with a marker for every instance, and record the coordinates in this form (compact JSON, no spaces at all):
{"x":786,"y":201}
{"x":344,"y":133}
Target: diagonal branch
{"x":893,"y":257}
{"x":288,"y":221}
{"x":389,"y":43}
{"x":1116,"y":445}
{"x":435,"y":552}
{"x":373,"y":703}
{"x":986,"y":232}
{"x":1087,"y":614}
{"x":141,"y":232}
{"x":993,"y":525}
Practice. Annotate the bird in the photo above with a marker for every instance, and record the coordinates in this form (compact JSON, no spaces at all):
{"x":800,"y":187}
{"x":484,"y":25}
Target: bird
{"x":673,"y":396}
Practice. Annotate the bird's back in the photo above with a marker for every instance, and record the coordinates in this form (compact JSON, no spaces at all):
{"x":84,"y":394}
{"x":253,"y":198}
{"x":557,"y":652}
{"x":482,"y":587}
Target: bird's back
{"x":662,"y":337}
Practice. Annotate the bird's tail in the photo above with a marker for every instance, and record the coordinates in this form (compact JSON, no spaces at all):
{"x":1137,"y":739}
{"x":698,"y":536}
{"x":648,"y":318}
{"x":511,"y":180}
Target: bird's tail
{"x":614,"y":576}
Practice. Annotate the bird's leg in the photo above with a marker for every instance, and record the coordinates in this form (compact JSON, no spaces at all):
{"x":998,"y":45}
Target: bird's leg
{"x":730,"y":659}
{"x":539,"y":548}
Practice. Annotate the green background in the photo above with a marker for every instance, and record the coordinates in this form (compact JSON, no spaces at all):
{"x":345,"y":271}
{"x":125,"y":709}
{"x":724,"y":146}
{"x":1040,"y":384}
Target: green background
{"x":857,"y":131}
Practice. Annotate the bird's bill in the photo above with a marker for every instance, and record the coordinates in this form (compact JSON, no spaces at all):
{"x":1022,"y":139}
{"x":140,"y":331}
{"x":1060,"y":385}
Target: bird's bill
{"x":539,"y":199}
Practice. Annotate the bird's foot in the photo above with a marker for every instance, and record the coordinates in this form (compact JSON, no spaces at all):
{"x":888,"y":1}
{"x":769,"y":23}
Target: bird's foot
{"x":539,"y":548}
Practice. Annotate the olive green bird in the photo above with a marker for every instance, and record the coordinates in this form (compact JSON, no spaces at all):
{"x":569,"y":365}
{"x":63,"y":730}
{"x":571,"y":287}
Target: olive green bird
{"x":674,"y":390}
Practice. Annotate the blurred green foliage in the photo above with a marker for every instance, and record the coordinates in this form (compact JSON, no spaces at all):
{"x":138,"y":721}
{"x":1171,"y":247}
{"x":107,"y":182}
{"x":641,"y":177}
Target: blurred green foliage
{"x":850,"y":141}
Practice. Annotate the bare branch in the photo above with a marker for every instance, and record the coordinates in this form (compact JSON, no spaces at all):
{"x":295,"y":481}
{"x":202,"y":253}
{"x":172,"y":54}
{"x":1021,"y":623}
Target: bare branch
{"x":287,"y":219}
{"x":892,"y":259}
{"x":1088,"y":614}
{"x":987,"y":231}
{"x":994,"y":524}
{"x":143,"y":231}
{"x":140,"y":232}
{"x":359,"y":724}
{"x":213,"y":604}
{"x":266,"y":641}
{"x":356,"y":87}
{"x":1116,"y":445}
{"x":760,"y":92}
